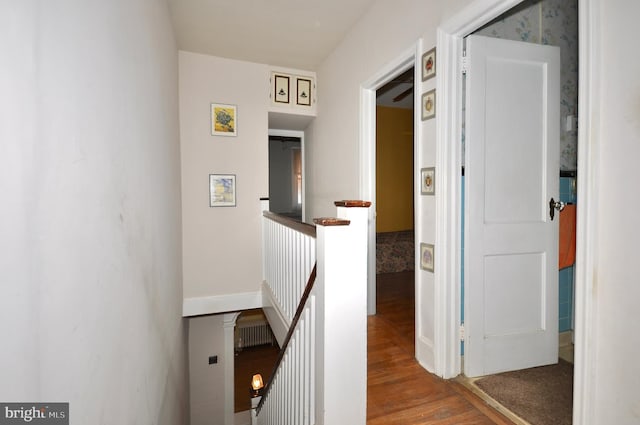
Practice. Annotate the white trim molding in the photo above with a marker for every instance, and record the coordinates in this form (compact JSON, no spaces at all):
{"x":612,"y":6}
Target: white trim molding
{"x":229,"y":324}
{"x":214,"y":304}
{"x":584,"y":384}
{"x":448,"y":234}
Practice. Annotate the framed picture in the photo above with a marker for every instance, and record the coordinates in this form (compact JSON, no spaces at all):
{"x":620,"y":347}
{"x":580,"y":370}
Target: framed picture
{"x":224,"y":119}
{"x":428,"y":181}
{"x":303,"y":90}
{"x":429,"y":105}
{"x":426,"y":257}
{"x":429,"y":64}
{"x":222,"y":190}
{"x":281,"y":89}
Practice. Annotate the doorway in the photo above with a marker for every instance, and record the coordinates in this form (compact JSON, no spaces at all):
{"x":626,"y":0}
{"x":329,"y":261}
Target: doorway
{"x":394,"y":243}
{"x":527,"y":332}
{"x":423,"y":281}
{"x":551,"y":22}
{"x":394,"y":175}
{"x":450,"y":41}
{"x":286,"y":173}
{"x":285,"y":176}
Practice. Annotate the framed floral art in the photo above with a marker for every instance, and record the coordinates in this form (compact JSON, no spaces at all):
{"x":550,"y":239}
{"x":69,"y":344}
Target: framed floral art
{"x":224,"y":120}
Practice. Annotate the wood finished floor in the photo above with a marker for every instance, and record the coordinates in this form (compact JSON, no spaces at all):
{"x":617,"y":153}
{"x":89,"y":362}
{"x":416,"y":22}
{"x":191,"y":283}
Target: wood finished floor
{"x":399,"y":390}
{"x":247,"y":363}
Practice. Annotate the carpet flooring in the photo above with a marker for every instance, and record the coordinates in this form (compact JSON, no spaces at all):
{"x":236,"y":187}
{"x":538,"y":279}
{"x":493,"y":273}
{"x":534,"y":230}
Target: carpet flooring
{"x":395,"y":252}
{"x":541,"y":396}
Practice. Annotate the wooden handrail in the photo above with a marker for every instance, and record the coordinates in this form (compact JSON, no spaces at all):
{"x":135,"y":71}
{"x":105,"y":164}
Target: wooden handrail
{"x":350,"y":203}
{"x":305,"y":228}
{"x":292,"y":328}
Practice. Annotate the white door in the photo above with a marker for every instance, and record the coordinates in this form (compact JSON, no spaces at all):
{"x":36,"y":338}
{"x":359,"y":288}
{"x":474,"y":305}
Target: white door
{"x":512,"y":172}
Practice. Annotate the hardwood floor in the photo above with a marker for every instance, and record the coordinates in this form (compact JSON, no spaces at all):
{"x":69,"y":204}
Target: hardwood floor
{"x":399,"y":390}
{"x":248,"y":362}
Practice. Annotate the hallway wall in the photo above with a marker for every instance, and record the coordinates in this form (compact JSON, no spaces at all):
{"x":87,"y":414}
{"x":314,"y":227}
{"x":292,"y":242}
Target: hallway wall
{"x":91,"y":287}
{"x":222,"y":248}
{"x":207,"y":381}
{"x":615,"y":148}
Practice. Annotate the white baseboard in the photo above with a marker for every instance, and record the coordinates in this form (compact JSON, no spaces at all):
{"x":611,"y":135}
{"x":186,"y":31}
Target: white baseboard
{"x":565,"y":346}
{"x":565,"y":338}
{"x":198,"y":306}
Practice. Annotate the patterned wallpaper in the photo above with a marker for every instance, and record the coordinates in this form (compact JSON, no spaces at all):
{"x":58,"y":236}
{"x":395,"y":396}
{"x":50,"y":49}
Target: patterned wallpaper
{"x":552,"y":22}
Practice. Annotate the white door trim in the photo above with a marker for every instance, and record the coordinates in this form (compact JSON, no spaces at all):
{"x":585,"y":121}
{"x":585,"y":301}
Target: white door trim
{"x":367,"y":184}
{"x":448,"y":123}
{"x":584,"y":394}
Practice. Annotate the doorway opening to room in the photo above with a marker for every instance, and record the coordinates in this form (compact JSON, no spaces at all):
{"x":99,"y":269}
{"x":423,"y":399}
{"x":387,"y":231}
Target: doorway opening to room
{"x":395,"y":241}
{"x":413,"y":309}
{"x":547,"y":388}
{"x":285,"y":176}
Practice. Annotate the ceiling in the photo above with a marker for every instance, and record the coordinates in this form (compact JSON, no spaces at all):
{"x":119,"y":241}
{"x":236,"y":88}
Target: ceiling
{"x":288,"y":33}
{"x":397,"y":93}
{"x":285,"y":33}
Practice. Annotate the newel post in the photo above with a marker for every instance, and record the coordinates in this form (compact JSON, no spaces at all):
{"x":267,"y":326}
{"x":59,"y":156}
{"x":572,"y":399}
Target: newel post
{"x":342,"y":315}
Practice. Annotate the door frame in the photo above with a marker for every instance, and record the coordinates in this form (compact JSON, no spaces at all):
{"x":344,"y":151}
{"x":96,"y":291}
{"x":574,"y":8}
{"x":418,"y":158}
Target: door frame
{"x":450,"y":37}
{"x":367,"y":149}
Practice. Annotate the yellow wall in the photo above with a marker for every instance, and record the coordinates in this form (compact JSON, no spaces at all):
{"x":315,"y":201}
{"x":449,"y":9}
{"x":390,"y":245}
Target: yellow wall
{"x":394,"y":169}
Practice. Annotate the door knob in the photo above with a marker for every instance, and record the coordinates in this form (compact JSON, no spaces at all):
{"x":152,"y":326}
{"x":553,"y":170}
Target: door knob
{"x":555,"y":205}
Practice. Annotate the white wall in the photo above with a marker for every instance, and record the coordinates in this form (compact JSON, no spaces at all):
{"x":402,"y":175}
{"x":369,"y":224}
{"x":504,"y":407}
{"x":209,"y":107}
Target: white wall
{"x":222,"y":246}
{"x":616,"y":287}
{"x":206,"y":338}
{"x":90,"y":293}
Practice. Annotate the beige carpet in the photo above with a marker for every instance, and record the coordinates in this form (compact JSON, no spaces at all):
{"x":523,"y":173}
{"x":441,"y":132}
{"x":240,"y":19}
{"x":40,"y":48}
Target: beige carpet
{"x":541,"y":396}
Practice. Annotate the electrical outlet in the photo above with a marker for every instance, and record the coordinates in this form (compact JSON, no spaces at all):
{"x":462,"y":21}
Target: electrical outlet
{"x":213,"y":359}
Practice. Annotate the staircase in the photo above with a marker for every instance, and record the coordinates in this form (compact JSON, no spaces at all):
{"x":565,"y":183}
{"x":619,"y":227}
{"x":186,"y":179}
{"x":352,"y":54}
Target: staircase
{"x":314,"y":293}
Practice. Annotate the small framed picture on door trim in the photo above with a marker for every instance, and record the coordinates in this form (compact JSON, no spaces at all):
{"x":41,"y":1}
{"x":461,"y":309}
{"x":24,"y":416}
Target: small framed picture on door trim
{"x":426,"y":256}
{"x":429,"y":64}
{"x":428,"y":181}
{"x":429,"y":105}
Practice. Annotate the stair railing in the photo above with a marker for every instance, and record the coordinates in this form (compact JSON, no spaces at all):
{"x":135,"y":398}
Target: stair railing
{"x":320,"y":377}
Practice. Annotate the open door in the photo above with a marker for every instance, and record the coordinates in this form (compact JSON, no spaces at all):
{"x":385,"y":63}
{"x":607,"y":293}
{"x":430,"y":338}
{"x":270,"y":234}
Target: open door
{"x":511,"y":238}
